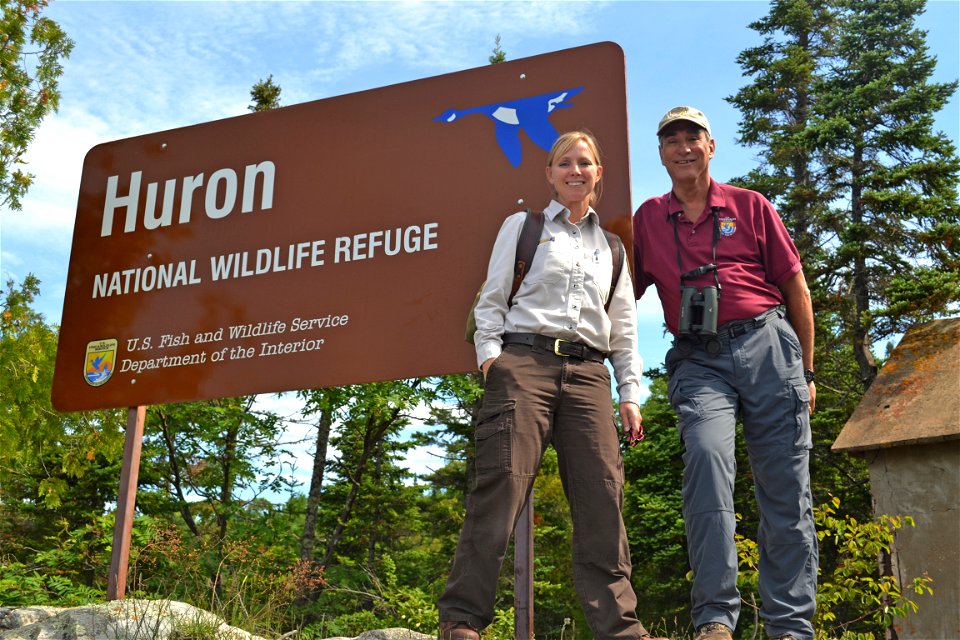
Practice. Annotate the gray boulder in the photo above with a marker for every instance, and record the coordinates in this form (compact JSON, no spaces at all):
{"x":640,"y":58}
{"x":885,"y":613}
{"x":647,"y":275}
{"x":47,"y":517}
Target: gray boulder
{"x":139,"y":620}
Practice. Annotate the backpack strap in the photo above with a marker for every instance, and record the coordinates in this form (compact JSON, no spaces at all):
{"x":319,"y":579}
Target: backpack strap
{"x":618,"y":252}
{"x":526,"y":248}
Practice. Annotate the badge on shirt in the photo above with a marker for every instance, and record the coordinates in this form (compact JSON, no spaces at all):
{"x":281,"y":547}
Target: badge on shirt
{"x":728,"y":226}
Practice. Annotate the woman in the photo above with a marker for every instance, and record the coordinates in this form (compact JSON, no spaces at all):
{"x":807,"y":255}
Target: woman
{"x":545,"y":382}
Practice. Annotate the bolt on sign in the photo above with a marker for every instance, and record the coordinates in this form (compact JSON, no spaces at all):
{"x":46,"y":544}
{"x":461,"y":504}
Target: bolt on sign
{"x":334,"y":242}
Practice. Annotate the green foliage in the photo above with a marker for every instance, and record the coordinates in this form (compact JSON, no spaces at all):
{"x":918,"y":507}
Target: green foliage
{"x":27,"y":353}
{"x":875,"y":600}
{"x":243,"y":580}
{"x":205,"y":459}
{"x":554,"y":599}
{"x":26,"y":586}
{"x":653,"y":510}
{"x":57,"y":471}
{"x":498,"y":55}
{"x":69,"y":569}
{"x":32,"y":48}
{"x":855,"y":601}
{"x":198,"y":628}
{"x":265,"y":95}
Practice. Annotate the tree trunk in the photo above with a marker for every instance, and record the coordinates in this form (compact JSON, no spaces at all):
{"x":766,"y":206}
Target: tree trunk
{"x":226,"y":502}
{"x":176,"y":473}
{"x":308,"y":540}
{"x":861,"y":290}
{"x":377,"y":480}
{"x":374,"y":434}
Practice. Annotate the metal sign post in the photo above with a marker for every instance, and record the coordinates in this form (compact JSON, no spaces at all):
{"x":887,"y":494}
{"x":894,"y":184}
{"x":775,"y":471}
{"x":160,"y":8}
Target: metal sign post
{"x":126,"y":501}
{"x":523,"y":573}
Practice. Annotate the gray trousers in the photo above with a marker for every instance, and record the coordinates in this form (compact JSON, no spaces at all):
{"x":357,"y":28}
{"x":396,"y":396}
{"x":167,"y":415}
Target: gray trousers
{"x":533,"y":398}
{"x":757,"y":376}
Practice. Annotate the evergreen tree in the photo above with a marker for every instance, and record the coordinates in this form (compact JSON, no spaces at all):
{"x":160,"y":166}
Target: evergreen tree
{"x":498,"y":55}
{"x":776,"y":111}
{"x":265,"y":95}
{"x":799,"y":41}
{"x":895,"y":257}
{"x":841,"y":108}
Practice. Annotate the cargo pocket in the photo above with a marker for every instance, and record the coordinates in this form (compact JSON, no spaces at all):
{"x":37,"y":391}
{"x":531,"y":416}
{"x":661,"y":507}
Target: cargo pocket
{"x":493,"y":436}
{"x":686,"y":407}
{"x":804,"y":437}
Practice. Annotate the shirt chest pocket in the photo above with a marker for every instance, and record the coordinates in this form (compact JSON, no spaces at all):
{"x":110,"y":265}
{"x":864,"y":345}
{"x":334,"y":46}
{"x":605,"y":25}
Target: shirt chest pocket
{"x":552,"y":261}
{"x":562,"y":259}
{"x":598,"y":272}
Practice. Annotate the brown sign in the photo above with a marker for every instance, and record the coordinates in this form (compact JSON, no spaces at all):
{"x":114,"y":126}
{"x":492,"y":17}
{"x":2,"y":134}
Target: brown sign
{"x":328,"y":243}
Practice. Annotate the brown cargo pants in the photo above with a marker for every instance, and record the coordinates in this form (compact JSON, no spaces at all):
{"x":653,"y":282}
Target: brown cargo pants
{"x":534,"y":398}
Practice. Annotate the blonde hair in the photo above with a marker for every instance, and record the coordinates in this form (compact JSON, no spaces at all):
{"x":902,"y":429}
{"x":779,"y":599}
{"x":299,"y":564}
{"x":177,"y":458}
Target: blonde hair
{"x":567,"y":141}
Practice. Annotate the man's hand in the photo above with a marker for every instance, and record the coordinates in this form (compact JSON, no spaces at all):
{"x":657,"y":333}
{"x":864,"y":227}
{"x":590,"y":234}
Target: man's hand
{"x":796,"y":296}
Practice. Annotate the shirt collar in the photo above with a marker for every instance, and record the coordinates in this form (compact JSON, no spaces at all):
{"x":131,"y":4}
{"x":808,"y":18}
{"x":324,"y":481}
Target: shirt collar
{"x":555,"y":209}
{"x":716,"y":199}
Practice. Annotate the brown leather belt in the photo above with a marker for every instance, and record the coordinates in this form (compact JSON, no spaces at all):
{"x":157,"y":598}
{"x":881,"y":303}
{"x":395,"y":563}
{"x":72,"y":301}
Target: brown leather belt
{"x":556,"y":346}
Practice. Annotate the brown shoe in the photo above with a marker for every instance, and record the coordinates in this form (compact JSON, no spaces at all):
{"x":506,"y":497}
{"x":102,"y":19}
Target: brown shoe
{"x":647,"y":636}
{"x":714,"y":631}
{"x":457,"y":631}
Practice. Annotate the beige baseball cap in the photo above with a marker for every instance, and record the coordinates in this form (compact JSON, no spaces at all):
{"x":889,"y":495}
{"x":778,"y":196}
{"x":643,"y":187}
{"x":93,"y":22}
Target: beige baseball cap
{"x":689,"y":114}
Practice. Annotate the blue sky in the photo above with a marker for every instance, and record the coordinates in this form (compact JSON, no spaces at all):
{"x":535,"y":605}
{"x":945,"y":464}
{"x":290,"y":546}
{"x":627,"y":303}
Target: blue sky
{"x":140,"y":67}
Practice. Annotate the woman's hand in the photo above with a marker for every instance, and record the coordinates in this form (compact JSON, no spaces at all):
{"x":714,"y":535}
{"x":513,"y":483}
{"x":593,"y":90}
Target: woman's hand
{"x":632,"y":421}
{"x":486,"y":365}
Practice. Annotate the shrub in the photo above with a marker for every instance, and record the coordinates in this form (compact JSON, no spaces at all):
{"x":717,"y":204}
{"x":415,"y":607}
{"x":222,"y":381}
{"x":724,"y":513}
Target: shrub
{"x":855,"y":600}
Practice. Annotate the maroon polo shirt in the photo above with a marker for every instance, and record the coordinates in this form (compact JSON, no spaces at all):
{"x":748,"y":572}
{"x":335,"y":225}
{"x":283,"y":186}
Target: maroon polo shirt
{"x":755,"y":254}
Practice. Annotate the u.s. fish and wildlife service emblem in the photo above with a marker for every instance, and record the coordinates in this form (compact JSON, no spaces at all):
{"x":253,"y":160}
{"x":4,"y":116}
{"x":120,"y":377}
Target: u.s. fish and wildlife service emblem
{"x":100,"y":360}
{"x":728,"y":226}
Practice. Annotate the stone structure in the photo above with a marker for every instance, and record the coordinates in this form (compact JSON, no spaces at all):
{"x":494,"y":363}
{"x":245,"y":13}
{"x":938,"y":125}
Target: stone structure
{"x":908,"y":427}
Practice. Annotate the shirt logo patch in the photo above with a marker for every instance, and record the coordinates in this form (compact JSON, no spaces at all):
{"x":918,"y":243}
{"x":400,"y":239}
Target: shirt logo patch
{"x":728,"y":226}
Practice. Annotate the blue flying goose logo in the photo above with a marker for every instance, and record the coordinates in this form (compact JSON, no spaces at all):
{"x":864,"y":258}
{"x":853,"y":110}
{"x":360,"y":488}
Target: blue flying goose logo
{"x":530,"y":114}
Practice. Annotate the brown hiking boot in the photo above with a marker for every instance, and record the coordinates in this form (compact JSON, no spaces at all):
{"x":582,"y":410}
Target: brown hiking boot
{"x":714,"y":631}
{"x":457,"y":631}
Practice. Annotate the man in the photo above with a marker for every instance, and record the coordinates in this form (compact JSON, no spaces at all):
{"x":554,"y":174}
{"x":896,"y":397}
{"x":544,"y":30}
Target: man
{"x":733,"y":294}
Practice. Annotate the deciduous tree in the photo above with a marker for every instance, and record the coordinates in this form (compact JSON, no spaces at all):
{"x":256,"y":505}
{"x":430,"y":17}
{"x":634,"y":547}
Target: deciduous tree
{"x":32,"y":50}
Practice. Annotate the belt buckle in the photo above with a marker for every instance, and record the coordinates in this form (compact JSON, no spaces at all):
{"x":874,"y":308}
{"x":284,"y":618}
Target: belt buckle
{"x":556,"y":348}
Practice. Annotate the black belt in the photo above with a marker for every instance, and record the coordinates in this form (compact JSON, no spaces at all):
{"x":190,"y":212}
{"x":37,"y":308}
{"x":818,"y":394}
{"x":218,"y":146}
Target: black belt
{"x":737,"y":328}
{"x":556,"y":346}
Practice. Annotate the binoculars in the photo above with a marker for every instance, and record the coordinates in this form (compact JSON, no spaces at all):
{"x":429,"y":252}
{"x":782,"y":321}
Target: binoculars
{"x":698,"y":312}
